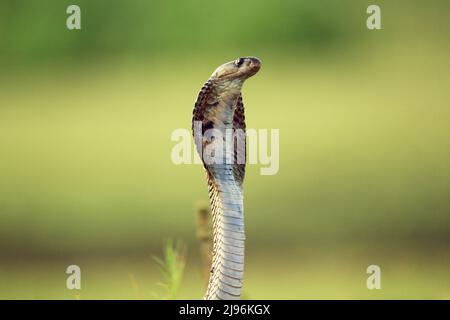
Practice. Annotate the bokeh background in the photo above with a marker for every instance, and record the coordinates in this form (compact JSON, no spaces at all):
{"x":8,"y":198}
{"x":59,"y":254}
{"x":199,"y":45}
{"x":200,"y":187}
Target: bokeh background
{"x":86,"y":116}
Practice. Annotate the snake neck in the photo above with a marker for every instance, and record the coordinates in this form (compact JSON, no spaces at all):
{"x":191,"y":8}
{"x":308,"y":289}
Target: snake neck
{"x":219,"y":107}
{"x":226,"y":196}
{"x":227,"y":270}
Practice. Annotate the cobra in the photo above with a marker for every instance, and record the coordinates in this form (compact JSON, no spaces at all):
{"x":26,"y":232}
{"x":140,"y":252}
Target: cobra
{"x":219,"y":108}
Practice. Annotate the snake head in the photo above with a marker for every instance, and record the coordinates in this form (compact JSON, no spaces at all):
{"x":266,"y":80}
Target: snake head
{"x":239,"y":69}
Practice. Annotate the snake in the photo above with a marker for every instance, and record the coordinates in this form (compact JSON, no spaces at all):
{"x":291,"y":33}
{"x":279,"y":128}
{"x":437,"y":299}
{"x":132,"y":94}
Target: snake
{"x":218,"y":115}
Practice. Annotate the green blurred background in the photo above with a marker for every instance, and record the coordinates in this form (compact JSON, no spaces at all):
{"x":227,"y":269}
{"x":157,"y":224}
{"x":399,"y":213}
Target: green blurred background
{"x":86,"y":116}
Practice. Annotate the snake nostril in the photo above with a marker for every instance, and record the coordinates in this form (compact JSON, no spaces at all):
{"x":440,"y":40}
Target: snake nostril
{"x":255,"y":61}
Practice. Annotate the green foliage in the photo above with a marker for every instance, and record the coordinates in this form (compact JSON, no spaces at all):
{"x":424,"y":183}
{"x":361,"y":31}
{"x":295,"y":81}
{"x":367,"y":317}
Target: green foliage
{"x":36,"y":31}
{"x":172,"y":267}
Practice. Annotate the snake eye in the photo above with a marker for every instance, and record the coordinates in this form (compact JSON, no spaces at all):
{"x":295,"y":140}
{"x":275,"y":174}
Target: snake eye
{"x":239,"y":62}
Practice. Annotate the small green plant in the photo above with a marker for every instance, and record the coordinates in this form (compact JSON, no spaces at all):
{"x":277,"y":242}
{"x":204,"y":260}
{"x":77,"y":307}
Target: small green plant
{"x":172,"y":267}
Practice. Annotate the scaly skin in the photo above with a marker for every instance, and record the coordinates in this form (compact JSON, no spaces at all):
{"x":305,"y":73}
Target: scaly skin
{"x":219,"y":109}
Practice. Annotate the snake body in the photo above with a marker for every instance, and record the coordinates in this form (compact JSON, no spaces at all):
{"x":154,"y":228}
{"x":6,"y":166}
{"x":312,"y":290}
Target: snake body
{"x":219,"y":109}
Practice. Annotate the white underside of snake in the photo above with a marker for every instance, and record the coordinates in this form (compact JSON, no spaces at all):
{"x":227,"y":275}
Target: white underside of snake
{"x":218,"y":111}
